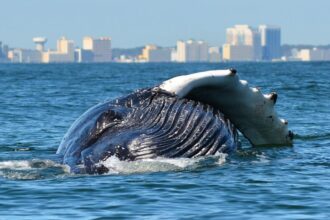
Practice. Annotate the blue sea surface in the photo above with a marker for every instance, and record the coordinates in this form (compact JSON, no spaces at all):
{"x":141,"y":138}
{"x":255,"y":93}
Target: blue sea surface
{"x":38,"y":103}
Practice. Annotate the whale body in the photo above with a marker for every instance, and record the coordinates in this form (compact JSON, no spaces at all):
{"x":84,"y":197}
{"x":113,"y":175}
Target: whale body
{"x":187,"y":116}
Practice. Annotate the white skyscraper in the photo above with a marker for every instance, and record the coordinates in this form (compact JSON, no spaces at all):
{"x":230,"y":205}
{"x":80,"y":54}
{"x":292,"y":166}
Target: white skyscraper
{"x":192,"y":51}
{"x":243,"y":44}
{"x":270,"y":42}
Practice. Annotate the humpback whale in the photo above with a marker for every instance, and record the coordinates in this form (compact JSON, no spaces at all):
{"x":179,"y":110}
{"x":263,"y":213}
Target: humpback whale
{"x":187,"y":116}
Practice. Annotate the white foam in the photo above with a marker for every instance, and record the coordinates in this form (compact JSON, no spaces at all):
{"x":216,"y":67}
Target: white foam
{"x":30,"y":169}
{"x":27,"y":164}
{"x":34,"y":169}
{"x":15,"y":164}
{"x":262,"y":158}
{"x":19,"y":175}
{"x":221,"y":158}
{"x":159,"y":164}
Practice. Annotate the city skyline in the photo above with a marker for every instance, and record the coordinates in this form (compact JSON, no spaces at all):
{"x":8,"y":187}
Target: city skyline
{"x":243,"y":43}
{"x":134,"y":24}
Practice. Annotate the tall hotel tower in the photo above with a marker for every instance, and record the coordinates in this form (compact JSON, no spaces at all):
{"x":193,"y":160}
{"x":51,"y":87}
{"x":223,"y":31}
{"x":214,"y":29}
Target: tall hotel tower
{"x":192,"y":51}
{"x":270,"y":42}
{"x":243,"y":44}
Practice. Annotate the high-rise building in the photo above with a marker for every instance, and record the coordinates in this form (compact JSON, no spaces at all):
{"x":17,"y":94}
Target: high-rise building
{"x":242,"y":44}
{"x":63,"y":54}
{"x":3,"y":53}
{"x":4,"y":49}
{"x":192,"y":51}
{"x":270,"y":42}
{"x":100,"y":48}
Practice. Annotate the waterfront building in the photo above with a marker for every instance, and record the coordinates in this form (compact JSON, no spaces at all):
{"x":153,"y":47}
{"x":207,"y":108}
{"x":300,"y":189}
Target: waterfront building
{"x":191,"y":51}
{"x":214,"y":55}
{"x":304,"y":55}
{"x":40,"y":43}
{"x":99,"y":47}
{"x":152,"y":53}
{"x":3,"y":52}
{"x":160,"y":55}
{"x":83,"y":56}
{"x":314,"y":54}
{"x":181,"y":50}
{"x":146,"y":52}
{"x":24,"y":56}
{"x":174,"y":55}
{"x":237,"y":52}
{"x":270,"y":42}
{"x":243,"y":43}
{"x":78,"y":55}
{"x":63,"y":54}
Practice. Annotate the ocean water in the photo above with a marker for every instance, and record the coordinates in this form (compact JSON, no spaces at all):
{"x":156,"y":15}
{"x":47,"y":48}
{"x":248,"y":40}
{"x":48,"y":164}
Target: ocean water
{"x":38,"y":103}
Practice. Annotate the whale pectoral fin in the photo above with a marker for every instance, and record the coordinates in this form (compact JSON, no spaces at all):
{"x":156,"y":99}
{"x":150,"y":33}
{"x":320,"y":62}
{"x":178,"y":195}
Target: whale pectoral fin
{"x":248,"y":109}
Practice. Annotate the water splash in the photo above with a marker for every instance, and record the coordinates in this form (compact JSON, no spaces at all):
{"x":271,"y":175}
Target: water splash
{"x":41,"y":169}
{"x":160,"y":164}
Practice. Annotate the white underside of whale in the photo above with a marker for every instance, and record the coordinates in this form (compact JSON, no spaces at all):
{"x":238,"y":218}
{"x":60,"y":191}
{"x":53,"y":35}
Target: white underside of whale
{"x":248,"y":109}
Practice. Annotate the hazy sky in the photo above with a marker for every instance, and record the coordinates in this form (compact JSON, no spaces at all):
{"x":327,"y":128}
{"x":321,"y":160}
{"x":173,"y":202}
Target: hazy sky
{"x":133,"y":23}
